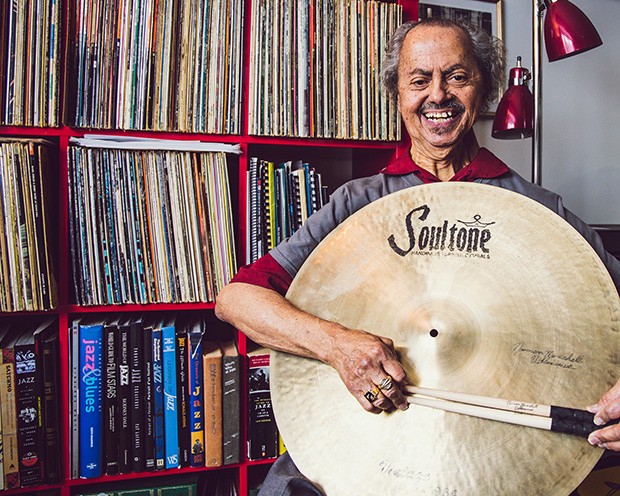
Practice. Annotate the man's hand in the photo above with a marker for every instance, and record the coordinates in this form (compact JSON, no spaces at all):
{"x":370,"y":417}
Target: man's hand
{"x":363,"y":361}
{"x":608,"y":408}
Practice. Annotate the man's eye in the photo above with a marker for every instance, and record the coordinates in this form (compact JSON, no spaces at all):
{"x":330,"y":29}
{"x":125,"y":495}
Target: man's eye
{"x":419,"y":83}
{"x":458,"y":78}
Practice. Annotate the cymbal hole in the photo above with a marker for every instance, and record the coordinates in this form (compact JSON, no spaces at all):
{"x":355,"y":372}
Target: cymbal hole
{"x":434,"y":333}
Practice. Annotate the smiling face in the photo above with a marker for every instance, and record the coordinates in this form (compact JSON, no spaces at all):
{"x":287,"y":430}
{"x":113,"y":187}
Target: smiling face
{"x":439,"y":89}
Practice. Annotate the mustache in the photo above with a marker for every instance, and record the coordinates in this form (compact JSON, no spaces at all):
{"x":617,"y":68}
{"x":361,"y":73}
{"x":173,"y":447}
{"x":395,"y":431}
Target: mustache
{"x":445,"y":105}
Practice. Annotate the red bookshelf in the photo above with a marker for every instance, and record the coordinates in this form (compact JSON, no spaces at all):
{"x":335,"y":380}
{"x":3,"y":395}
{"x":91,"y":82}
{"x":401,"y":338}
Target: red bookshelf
{"x":338,"y":160}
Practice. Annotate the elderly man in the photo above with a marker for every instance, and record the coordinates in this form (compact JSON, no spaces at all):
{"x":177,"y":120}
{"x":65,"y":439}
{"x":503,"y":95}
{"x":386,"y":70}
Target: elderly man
{"x":443,"y":75}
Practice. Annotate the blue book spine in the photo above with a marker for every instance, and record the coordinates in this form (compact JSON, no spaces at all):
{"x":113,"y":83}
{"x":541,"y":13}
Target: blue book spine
{"x":171,"y":421}
{"x":158,"y":398}
{"x":91,"y":413}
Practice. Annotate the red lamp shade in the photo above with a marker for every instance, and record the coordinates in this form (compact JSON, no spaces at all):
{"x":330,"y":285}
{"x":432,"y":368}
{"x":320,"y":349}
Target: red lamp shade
{"x":514,"y":117}
{"x":568,"y":31}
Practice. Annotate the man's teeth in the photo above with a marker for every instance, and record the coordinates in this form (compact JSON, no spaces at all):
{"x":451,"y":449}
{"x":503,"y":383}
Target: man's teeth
{"x":436,"y":116}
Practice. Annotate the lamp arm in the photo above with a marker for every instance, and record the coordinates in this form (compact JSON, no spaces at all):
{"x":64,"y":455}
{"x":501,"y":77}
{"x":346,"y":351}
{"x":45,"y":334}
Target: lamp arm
{"x":537,"y":28}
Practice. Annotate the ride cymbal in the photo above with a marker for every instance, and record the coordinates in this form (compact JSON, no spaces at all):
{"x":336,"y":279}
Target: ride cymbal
{"x":483,"y":291}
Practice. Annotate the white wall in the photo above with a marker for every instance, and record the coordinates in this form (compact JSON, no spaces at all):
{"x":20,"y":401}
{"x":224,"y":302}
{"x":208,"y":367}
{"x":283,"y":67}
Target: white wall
{"x":581,"y":108}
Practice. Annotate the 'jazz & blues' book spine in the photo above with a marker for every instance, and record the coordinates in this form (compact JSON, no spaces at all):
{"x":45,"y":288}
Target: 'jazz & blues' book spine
{"x":91,"y":417}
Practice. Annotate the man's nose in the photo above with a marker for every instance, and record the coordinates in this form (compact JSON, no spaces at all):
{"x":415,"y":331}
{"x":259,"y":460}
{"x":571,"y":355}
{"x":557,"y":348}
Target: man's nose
{"x":437,"y":90}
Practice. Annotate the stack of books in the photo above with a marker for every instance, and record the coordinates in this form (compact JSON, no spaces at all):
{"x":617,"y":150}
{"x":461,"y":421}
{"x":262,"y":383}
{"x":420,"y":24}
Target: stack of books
{"x":280,"y":199}
{"x":29,"y":406}
{"x":152,"y":394}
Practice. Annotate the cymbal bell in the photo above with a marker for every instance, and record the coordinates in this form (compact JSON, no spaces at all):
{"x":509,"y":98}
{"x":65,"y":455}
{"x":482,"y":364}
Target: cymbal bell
{"x":484,"y":291}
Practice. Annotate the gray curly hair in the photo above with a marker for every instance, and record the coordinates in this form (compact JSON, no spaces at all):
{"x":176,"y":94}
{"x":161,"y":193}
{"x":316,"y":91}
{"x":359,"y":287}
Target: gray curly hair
{"x":488,"y":51}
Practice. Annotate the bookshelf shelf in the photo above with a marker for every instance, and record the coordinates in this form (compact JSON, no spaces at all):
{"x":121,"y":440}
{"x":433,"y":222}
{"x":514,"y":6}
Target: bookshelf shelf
{"x":149,"y":307}
{"x":338,"y":160}
{"x":107,"y":479}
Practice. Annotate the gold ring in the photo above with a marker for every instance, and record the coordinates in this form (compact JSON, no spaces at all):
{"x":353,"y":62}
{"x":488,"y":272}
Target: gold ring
{"x":371,"y":395}
{"x":386,"y":383}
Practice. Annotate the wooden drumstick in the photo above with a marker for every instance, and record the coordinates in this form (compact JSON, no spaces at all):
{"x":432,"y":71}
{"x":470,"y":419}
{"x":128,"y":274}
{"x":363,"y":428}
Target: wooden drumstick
{"x":547,"y":417}
{"x":483,"y":412}
{"x":473,"y":399}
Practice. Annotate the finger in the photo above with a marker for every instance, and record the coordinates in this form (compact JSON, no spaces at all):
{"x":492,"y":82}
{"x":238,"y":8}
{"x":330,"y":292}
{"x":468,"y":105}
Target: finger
{"x":382,"y":402}
{"x":394,"y":394}
{"x":391,"y":393}
{"x":608,"y":437}
{"x":606,"y":412}
{"x":612,"y":446}
{"x":367,"y":399}
{"x":608,"y":407}
{"x":388,"y":342}
{"x":367,"y":405}
{"x":394,"y":369}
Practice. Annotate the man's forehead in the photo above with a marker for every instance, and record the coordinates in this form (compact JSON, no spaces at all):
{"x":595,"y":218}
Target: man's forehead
{"x":437,"y":31}
{"x":442,"y":47}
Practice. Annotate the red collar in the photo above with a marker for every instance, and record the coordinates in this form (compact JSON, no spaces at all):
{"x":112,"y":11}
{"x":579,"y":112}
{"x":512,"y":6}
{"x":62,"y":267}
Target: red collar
{"x":484,"y":166}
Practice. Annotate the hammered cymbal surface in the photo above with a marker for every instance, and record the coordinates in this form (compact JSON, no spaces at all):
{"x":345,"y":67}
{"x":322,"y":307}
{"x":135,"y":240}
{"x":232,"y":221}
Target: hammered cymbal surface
{"x":483,"y":291}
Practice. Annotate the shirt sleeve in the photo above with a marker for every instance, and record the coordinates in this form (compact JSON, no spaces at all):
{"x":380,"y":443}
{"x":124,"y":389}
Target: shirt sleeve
{"x":266,"y":273}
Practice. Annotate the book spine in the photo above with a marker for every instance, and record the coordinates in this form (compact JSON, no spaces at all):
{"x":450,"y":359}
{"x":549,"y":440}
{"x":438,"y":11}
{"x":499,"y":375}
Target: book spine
{"x":136,"y":368}
{"x":262,"y":431}
{"x":29,"y":415}
{"x":212,"y":384}
{"x":197,"y":457}
{"x":75,"y":399}
{"x":183,"y":396}
{"x":171,"y":434}
{"x":231,"y":405}
{"x":149,"y":400}
{"x":309,"y":182}
{"x":1,"y":455}
{"x":51,"y":400}
{"x":158,"y":400}
{"x":110,"y":400}
{"x":254,"y":205}
{"x":91,"y":362}
{"x":124,"y":391}
{"x":9,"y":420}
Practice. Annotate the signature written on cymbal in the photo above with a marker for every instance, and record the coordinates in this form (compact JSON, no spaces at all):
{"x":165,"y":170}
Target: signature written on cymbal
{"x":549,"y":357}
{"x":391,"y":469}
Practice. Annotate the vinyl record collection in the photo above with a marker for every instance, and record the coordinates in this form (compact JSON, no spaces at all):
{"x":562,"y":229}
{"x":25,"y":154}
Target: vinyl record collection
{"x":30,"y":62}
{"x":161,"y":65}
{"x":27,"y":279}
{"x":314,"y":70}
{"x":148,"y":225}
